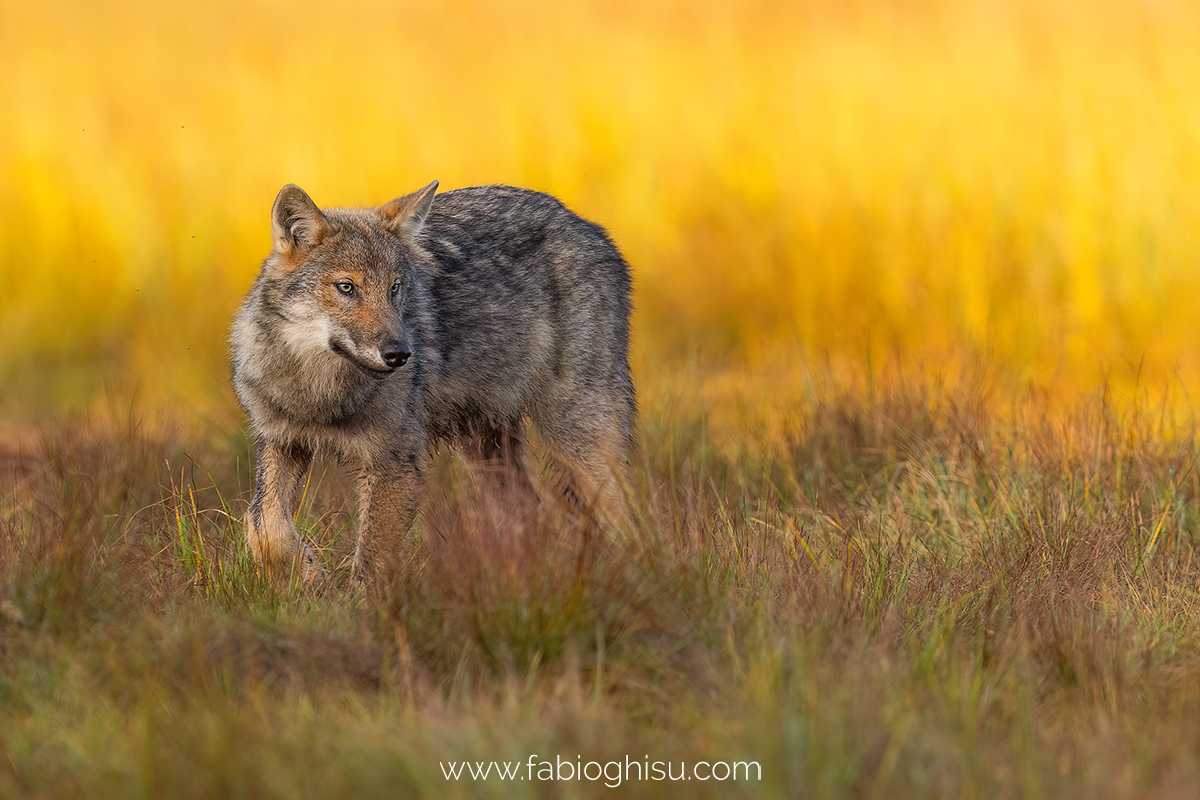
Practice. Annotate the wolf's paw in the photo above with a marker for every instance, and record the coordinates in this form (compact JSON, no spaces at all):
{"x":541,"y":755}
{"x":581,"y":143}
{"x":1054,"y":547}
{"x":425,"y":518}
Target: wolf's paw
{"x":312,"y":574}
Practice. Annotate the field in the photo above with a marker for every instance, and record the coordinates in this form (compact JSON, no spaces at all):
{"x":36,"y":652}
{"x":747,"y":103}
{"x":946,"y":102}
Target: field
{"x":916,"y":491}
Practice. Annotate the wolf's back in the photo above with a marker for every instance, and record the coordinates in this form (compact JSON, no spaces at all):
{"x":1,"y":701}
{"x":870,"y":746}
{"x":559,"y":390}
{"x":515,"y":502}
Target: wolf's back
{"x":525,"y":309}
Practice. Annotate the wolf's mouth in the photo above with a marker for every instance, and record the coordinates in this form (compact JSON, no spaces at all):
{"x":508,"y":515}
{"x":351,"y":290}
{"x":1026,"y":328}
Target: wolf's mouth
{"x":370,"y":372}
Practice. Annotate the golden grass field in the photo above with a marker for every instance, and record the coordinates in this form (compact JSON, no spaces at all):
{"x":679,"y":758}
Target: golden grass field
{"x":842,"y":182}
{"x":916,"y":347}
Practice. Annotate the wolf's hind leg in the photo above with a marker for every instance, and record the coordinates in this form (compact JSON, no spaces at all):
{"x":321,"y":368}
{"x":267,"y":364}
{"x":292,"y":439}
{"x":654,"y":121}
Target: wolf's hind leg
{"x":589,"y":447}
{"x":273,"y":538}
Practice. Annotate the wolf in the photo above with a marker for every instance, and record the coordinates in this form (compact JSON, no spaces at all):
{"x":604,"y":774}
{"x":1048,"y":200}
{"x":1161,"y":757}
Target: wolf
{"x":378,"y":334}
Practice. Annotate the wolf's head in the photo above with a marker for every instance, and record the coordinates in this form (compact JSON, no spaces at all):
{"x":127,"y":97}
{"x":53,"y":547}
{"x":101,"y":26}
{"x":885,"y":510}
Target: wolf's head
{"x":339,"y":277}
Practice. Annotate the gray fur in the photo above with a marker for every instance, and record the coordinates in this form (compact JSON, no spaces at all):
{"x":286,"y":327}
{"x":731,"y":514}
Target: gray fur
{"x":512,"y":307}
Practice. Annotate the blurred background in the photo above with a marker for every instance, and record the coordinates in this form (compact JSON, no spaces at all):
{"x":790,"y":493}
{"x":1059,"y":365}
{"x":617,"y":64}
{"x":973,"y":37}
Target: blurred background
{"x":860,"y":187}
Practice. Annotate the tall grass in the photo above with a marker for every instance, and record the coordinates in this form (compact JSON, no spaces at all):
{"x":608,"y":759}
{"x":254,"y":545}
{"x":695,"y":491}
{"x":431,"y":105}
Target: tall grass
{"x":902,"y":595}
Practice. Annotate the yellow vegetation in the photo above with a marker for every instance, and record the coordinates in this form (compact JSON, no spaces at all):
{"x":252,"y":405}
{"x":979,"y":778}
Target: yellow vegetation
{"x":907,"y":274}
{"x":856,"y":184}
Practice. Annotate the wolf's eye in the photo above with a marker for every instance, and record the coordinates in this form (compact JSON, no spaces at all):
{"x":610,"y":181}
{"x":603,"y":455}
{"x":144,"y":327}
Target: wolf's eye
{"x":395,"y":288}
{"x":345,"y":287}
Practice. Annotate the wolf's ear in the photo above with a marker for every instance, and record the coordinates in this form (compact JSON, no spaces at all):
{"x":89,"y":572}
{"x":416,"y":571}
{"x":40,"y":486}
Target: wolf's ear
{"x":296,"y":222}
{"x":406,"y":215}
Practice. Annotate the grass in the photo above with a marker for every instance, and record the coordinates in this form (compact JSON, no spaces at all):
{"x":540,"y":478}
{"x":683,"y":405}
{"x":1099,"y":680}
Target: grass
{"x":916,"y":491}
{"x":950,"y":603}
{"x":834,"y":180}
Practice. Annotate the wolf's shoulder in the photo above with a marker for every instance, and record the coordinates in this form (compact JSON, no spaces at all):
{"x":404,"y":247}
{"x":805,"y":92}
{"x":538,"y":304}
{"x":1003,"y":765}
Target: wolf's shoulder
{"x":497,"y":200}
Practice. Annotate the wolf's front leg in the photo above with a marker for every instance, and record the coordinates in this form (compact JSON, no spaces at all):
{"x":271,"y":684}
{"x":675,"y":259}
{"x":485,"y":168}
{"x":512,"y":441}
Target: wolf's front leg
{"x":274,"y":541}
{"x":388,"y":499}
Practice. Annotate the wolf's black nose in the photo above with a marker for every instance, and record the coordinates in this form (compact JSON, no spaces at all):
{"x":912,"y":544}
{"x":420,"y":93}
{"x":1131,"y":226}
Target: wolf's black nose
{"x":395,"y":354}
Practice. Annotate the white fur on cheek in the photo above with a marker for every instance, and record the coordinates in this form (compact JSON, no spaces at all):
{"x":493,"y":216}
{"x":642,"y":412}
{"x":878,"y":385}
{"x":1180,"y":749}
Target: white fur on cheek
{"x":307,"y":335}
